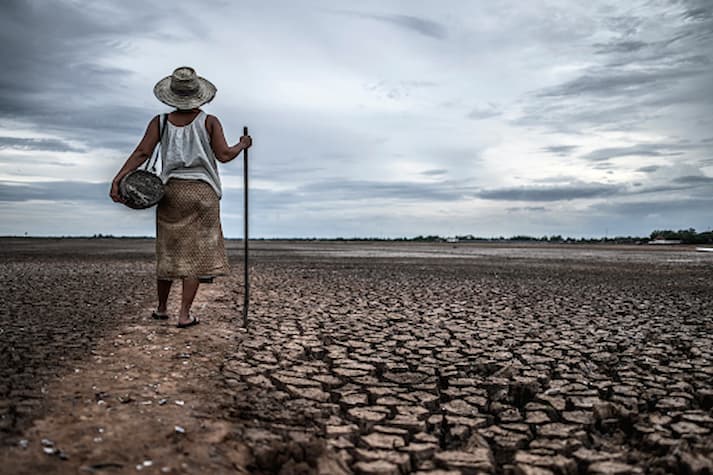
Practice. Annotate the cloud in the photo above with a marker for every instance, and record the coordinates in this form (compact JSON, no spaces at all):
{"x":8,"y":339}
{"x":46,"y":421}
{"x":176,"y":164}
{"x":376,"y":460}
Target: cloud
{"x":486,"y":112}
{"x":526,"y":209}
{"x":656,"y":67}
{"x":54,"y":191}
{"x":550,"y":193}
{"x":697,"y":10}
{"x":648,"y":169}
{"x":353,"y":142}
{"x":639,"y":150}
{"x":606,"y":82}
{"x":365,"y":190}
{"x":396,"y":90}
{"x":626,"y":46}
{"x":694,"y":180}
{"x":411,"y":23}
{"x":59,"y":71}
{"x":49,"y":145}
{"x":434,"y":172}
{"x":561,"y":150}
{"x":671,"y":207}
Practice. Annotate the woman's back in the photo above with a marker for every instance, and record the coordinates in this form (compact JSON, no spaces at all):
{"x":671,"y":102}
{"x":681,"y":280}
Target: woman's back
{"x":183,"y":118}
{"x":186,"y":151}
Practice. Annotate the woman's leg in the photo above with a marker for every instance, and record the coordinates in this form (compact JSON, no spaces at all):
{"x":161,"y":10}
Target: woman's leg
{"x":190,"y":287}
{"x":163,"y":288}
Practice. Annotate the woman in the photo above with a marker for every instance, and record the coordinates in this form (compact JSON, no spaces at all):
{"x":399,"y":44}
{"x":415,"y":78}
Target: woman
{"x":189,"y":236}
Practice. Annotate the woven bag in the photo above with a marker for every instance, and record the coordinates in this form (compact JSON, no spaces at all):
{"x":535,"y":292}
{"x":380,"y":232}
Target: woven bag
{"x":143,"y":188}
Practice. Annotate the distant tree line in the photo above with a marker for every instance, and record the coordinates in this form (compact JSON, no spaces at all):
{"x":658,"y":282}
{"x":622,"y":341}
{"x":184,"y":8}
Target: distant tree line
{"x":686,"y":236}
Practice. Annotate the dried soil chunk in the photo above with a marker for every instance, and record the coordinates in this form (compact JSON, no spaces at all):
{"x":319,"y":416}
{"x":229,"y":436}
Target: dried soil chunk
{"x":612,"y":468}
{"x":377,"y":467}
{"x":408,"y":422}
{"x":383,"y":441}
{"x":459,"y":407}
{"x":420,"y":451}
{"x":312,"y":393}
{"x":556,"y":463}
{"x":684,"y":428}
{"x":399,"y":459}
{"x":365,"y":418}
{"x":672,"y":404}
{"x":334,"y":431}
{"x":537,"y":417}
{"x":473,"y":462}
{"x":558,"y":429}
{"x":523,"y":469}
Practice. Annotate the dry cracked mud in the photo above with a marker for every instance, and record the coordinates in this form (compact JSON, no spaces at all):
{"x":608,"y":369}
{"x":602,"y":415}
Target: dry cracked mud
{"x":364,"y":359}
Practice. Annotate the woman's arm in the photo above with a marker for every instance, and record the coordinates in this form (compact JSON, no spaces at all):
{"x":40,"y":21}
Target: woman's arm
{"x":224,"y":152}
{"x":143,"y":151}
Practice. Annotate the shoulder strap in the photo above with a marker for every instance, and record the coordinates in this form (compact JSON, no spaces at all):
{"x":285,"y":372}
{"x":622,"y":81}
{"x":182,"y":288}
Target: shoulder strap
{"x":162,"y":121}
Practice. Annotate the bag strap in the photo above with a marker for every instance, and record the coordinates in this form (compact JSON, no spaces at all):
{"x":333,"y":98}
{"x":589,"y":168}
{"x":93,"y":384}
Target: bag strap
{"x":155,"y":154}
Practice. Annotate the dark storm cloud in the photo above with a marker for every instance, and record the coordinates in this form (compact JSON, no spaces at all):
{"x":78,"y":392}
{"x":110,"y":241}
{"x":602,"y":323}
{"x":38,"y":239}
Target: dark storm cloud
{"x":351,"y":190}
{"x":336,"y":190}
{"x":648,"y":169}
{"x":561,"y":150}
{"x":645,"y":150}
{"x":47,"y":145}
{"x":53,"y":191}
{"x":698,"y":10}
{"x":40,"y":54}
{"x":18,"y":162}
{"x":672,"y":207}
{"x":694,"y":180}
{"x":54,"y":76}
{"x":645,"y":71}
{"x":693,"y":185}
{"x":550,"y":193}
{"x":434,"y":172}
{"x":415,"y":24}
{"x":526,"y":209}
{"x":620,"y":47}
{"x":607,"y":82}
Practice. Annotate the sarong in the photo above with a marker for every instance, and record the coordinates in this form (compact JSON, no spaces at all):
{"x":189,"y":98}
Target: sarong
{"x":189,"y":236}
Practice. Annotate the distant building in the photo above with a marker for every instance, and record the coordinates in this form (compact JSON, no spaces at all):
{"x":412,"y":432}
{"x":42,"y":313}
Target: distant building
{"x":666,"y":241}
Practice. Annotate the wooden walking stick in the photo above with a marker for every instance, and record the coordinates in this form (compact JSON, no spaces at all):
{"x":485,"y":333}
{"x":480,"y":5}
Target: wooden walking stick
{"x":246,"y":296}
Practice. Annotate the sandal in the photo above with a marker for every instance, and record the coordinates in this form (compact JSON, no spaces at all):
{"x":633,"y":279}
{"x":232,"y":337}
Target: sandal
{"x":159,"y":316}
{"x":194,"y":321}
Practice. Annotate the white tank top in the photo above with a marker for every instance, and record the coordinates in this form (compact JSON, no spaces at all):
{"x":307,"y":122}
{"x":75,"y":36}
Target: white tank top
{"x":186,"y":153}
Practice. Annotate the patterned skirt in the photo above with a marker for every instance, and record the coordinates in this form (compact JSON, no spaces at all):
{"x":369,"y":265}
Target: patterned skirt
{"x":189,"y":237}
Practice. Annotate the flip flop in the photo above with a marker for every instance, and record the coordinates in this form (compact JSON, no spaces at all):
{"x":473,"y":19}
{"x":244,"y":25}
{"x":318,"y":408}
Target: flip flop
{"x":194,"y":321}
{"x":159,"y":316}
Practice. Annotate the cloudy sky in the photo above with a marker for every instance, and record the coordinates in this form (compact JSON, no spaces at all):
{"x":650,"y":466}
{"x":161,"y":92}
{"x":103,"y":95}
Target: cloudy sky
{"x":372,"y":118}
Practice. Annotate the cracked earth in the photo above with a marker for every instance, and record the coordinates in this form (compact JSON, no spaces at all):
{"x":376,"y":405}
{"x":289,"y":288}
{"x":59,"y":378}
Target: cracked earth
{"x":360,"y":358}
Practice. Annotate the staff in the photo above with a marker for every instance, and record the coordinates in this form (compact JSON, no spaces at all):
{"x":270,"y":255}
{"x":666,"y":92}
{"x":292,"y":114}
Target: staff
{"x":246,"y":296}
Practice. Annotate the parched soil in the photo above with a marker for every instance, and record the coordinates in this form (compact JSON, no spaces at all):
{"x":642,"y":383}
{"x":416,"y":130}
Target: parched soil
{"x":360,"y":358}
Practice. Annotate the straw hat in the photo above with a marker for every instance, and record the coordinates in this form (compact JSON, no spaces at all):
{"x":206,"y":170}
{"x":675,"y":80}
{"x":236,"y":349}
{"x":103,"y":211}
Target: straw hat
{"x":184,"y":89}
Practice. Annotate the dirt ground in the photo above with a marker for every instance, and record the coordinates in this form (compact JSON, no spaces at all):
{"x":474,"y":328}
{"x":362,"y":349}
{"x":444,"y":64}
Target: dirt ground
{"x":359,"y":358}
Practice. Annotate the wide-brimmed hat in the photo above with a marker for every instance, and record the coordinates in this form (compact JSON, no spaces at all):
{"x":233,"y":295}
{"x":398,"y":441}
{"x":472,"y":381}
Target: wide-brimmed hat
{"x":184,"y":89}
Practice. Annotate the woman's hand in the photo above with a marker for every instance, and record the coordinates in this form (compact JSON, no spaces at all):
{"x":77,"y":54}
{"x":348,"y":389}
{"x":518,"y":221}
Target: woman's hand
{"x":245,"y":142}
{"x":114,"y":193}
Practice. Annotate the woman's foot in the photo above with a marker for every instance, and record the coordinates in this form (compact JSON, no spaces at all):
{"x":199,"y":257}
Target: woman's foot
{"x":156,"y":315}
{"x":188,"y":323}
